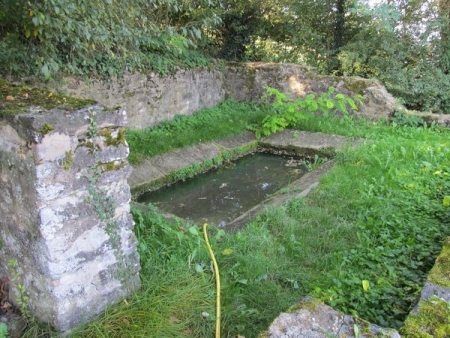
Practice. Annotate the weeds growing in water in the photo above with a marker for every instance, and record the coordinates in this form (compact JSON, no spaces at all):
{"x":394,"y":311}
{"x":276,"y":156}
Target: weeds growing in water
{"x":363,"y":241}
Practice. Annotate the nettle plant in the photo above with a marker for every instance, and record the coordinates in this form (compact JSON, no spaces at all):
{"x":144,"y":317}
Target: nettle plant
{"x":287,"y":111}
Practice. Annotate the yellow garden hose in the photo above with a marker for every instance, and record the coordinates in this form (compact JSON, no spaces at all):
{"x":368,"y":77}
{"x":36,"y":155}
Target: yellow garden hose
{"x":216,"y":273}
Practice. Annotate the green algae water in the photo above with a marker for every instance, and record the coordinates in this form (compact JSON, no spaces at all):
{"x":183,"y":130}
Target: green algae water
{"x":221,"y":195}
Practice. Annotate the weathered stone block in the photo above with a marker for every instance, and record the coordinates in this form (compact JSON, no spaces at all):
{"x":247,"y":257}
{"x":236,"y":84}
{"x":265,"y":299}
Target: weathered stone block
{"x":66,"y":220}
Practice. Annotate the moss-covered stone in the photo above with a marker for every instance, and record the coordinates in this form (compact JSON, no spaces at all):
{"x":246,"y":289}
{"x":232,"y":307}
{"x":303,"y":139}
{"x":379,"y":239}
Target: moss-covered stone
{"x":432,"y":320}
{"x":46,"y":128}
{"x":67,"y":162}
{"x":309,"y":304}
{"x":440,"y":273}
{"x":355,"y":85}
{"x":250,"y":73}
{"x":111,"y":166}
{"x":16,"y":99}
{"x":111,"y":140}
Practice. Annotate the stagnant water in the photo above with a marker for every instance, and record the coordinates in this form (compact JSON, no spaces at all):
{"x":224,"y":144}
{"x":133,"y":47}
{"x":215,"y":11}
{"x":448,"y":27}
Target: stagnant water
{"x":221,"y":195}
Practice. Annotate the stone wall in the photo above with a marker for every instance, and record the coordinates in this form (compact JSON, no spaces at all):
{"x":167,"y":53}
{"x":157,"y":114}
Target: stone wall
{"x":66,"y":231}
{"x":150,"y":99}
{"x":246,"y":81}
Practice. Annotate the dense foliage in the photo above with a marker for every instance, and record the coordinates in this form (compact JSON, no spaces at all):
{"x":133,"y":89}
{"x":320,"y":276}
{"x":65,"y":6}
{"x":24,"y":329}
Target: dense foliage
{"x":406,"y":44}
{"x":403,"y":43}
{"x":100,"y":37}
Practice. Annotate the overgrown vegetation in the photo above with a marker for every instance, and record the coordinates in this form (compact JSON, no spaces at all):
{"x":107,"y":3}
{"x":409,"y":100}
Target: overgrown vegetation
{"x":227,"y":119}
{"x":403,"y":43}
{"x":363,"y":241}
{"x":287,"y":111}
{"x":100,"y":37}
{"x":233,"y":118}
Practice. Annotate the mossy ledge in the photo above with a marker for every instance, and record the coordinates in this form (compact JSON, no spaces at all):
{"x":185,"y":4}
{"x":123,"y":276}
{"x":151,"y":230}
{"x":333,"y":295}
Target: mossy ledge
{"x":16,"y":99}
{"x":432,"y":320}
{"x":439,"y":274}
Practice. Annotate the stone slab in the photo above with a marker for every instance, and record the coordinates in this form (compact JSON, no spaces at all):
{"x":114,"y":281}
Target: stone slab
{"x":204,"y":151}
{"x":185,"y":157}
{"x":429,"y":290}
{"x":143,"y":173}
{"x":303,"y":140}
{"x":238,"y":141}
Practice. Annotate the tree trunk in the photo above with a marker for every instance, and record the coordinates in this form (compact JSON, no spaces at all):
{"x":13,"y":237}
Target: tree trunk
{"x":444,"y":18}
{"x":339,"y":25}
{"x":338,"y":38}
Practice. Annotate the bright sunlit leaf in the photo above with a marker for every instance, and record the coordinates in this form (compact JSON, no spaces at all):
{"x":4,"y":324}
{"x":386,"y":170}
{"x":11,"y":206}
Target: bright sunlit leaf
{"x":446,"y":201}
{"x":365,"y":285}
{"x":227,"y":252}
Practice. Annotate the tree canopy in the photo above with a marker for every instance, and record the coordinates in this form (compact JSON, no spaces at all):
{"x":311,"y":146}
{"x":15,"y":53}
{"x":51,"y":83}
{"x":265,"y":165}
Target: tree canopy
{"x":406,"y":44}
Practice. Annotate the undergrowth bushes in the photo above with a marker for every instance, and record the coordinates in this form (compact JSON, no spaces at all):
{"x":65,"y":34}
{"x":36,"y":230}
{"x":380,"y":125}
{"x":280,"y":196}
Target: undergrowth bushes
{"x":43,"y":38}
{"x":363,"y":242}
{"x":400,"y":224}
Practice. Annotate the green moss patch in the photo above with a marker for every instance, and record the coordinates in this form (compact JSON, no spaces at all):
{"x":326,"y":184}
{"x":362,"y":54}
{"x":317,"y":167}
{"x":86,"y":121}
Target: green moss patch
{"x":432,"y":320}
{"x":111,"y":166}
{"x":440,"y":273}
{"x":307,"y":304}
{"x":15,"y":99}
{"x":46,"y":128}
{"x":67,"y":162}
{"x":356,"y":86}
{"x":111,"y":140}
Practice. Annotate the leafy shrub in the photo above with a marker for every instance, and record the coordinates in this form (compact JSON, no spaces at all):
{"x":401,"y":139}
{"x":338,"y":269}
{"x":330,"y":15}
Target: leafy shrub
{"x":100,"y":37}
{"x":3,"y":330}
{"x":403,"y":119}
{"x":409,"y":70}
{"x":287,"y":112}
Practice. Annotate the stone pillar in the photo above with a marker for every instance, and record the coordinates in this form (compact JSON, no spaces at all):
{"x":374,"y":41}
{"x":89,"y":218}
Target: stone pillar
{"x":67,"y":242}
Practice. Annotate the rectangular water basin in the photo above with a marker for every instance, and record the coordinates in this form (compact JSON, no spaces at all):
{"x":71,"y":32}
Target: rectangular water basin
{"x":221,"y":195}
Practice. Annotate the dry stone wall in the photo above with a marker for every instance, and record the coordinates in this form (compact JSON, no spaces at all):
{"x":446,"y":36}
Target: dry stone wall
{"x":66,"y":228}
{"x":150,"y":99}
{"x":245,"y":82}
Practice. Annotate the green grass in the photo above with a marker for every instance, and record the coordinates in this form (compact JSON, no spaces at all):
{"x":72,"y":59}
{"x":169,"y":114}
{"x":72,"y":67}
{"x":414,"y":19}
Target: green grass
{"x":378,"y":216}
{"x":227,"y":119}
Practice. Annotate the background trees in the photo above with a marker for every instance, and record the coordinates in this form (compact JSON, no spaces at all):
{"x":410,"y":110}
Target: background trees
{"x":97,"y":36}
{"x":406,"y":44}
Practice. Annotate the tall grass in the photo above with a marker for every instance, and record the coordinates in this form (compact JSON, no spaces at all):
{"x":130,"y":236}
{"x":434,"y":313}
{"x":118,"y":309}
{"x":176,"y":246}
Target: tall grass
{"x":227,"y":119}
{"x":378,"y":217}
